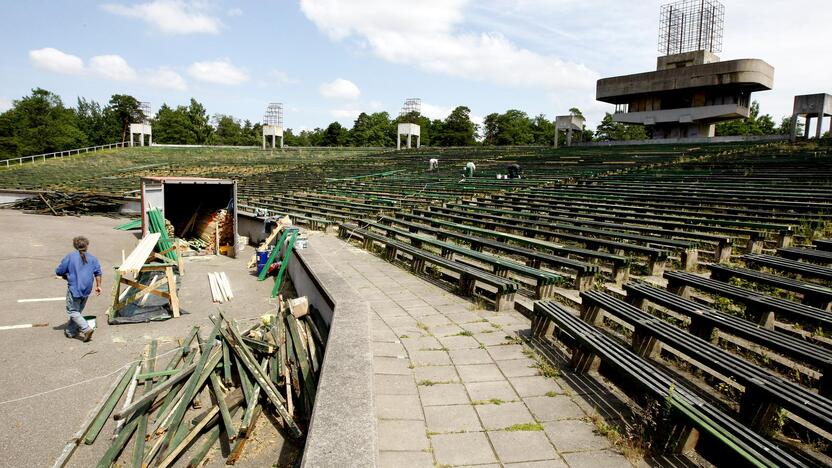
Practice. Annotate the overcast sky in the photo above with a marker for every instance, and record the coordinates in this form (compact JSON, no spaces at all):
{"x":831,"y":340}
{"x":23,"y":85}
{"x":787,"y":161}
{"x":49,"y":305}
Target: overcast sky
{"x":331,"y":59}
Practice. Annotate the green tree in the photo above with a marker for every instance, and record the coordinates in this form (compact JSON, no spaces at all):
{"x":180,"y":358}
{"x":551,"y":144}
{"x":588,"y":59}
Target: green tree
{"x":251,"y":134}
{"x":125,"y":110}
{"x":514,"y":128}
{"x":609,"y":130}
{"x":37,"y":124}
{"x":96,"y":123}
{"x":228,"y":131}
{"x":754,"y":124}
{"x":543,"y":130}
{"x":335,"y":135}
{"x":200,"y":122}
{"x":372,"y":130}
{"x":172,"y":126}
{"x":458,"y":129}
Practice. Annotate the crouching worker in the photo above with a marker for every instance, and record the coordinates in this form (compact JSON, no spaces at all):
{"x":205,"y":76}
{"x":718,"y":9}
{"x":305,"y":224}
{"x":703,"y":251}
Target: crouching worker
{"x":81,"y":271}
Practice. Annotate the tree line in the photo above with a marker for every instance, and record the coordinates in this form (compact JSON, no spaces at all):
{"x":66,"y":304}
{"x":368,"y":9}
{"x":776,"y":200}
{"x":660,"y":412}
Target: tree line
{"x":41,"y":123}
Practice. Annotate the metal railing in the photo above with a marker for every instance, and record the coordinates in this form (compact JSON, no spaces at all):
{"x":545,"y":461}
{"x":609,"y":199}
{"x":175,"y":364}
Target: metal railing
{"x":61,"y":154}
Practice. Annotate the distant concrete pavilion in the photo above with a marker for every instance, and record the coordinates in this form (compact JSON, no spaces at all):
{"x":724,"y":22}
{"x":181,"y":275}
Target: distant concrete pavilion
{"x":691,"y":89}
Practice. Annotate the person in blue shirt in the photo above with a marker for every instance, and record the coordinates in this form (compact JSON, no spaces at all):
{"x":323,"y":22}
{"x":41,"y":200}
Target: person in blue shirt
{"x":81,"y":271}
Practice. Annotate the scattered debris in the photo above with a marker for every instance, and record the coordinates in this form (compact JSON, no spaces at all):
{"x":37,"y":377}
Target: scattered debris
{"x":64,"y":203}
{"x":271,"y":368}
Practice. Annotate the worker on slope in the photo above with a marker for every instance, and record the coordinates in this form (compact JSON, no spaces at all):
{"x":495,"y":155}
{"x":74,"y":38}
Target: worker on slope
{"x":433,"y":164}
{"x":469,"y":169}
{"x":80,"y":270}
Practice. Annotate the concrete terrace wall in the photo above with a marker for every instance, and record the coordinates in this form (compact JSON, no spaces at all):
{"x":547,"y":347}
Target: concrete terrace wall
{"x":343,"y":428}
{"x":687,"y":141}
{"x":342,"y":432}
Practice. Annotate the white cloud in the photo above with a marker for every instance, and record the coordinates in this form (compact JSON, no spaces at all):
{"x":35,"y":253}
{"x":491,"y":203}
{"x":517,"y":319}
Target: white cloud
{"x":166,"y":78}
{"x":108,"y":67}
{"x":281,"y":77}
{"x":170,"y":16}
{"x":340,"y":89}
{"x":112,"y":67}
{"x":350,"y":114}
{"x":5,"y":104}
{"x":54,"y":60}
{"x":435,"y":112}
{"x":430,"y":38}
{"x":218,"y":72}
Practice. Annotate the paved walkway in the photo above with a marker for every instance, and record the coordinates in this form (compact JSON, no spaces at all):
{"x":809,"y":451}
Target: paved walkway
{"x":452,"y":387}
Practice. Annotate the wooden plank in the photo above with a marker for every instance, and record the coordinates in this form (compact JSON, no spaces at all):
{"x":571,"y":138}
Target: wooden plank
{"x":109,"y":405}
{"x":174,"y":296}
{"x":140,"y":253}
{"x":235,"y":340}
{"x":138,"y":448}
{"x":151,"y":395}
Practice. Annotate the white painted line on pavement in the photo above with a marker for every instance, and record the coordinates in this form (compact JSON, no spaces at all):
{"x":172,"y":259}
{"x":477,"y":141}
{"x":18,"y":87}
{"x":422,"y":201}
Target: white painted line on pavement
{"x":43,"y":299}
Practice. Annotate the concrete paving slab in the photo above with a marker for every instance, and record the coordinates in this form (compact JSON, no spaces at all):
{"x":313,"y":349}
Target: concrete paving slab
{"x":402,"y":435}
{"x":441,"y":374}
{"x":499,"y":390}
{"x":470,"y":448}
{"x":518,"y":367}
{"x":554,"y":408}
{"x":539,"y":464}
{"x":594,"y":459}
{"x":405,"y":460}
{"x":399,"y":407}
{"x":504,"y":415}
{"x":521,"y":446}
{"x":534,"y":386}
{"x":384,"y":349}
{"x":453,"y":418}
{"x":384,"y":384}
{"x":470,"y":356}
{"x":430,"y":358}
{"x":391,"y":365}
{"x":459,"y":342}
{"x":479,"y":373}
{"x":506,"y":352}
{"x":575,"y":435}
{"x":443,"y":394}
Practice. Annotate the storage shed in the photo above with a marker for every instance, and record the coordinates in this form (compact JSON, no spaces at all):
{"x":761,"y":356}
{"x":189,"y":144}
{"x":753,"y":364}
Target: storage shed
{"x":201,"y":210}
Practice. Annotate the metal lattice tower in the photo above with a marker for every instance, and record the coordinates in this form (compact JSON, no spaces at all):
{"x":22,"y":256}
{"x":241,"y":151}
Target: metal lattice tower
{"x":274,"y":115}
{"x":691,"y":25}
{"x":411,"y":105}
{"x":144,"y":107}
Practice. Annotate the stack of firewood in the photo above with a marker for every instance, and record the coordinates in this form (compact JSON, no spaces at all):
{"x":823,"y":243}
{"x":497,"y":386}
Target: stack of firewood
{"x":214,"y":229}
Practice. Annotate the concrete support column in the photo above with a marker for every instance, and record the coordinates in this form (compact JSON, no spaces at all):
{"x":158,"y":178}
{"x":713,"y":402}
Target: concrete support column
{"x":569,"y":137}
{"x":819,"y":130}
{"x":806,"y":127}
{"x":398,"y":142}
{"x":264,"y":140}
{"x":408,"y":141}
{"x":557,"y":134}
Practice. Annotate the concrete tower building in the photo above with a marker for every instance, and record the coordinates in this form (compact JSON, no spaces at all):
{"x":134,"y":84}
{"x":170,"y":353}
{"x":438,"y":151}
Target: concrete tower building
{"x":273,"y":124}
{"x":412,"y":106}
{"x":691,"y":89}
{"x":142,"y":129}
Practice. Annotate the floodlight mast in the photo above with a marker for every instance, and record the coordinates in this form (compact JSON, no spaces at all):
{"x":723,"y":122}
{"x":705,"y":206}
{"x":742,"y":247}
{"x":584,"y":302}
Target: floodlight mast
{"x":143,"y":129}
{"x":411,"y":106}
{"x":690,"y":26}
{"x":273,"y":124}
